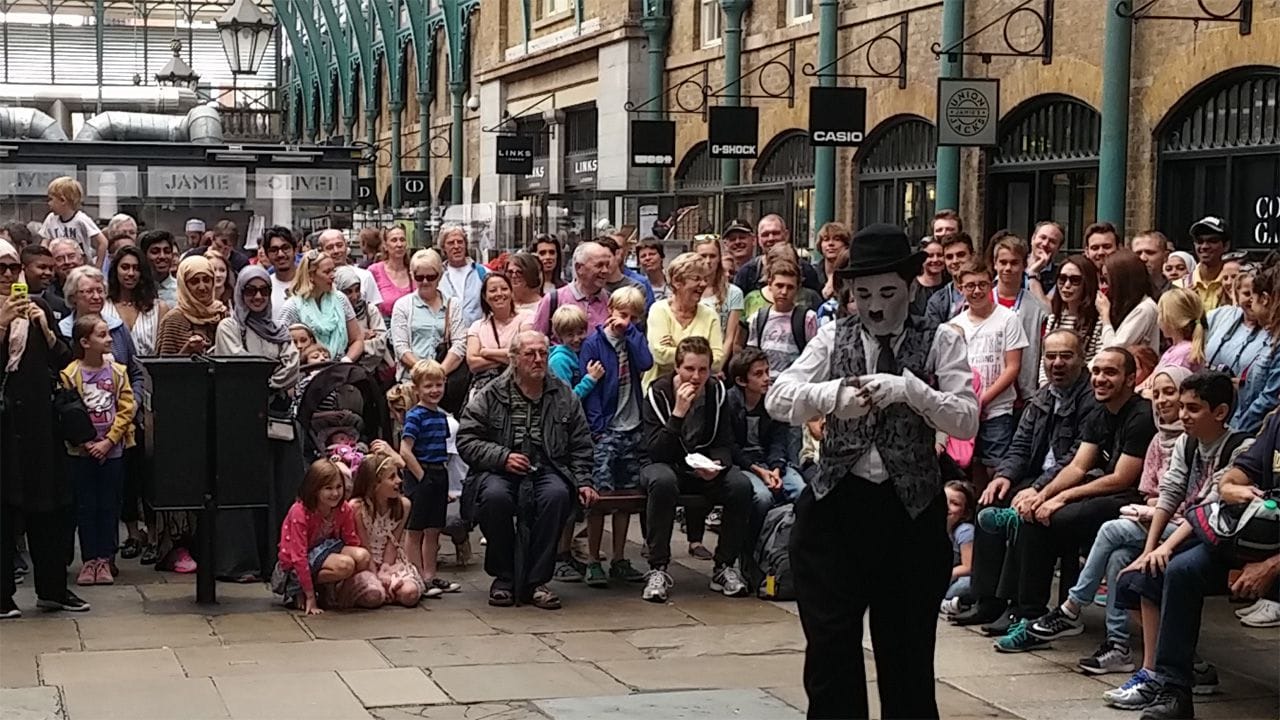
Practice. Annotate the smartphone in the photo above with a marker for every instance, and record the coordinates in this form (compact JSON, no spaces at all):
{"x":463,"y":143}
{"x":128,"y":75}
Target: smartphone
{"x":18,"y":290}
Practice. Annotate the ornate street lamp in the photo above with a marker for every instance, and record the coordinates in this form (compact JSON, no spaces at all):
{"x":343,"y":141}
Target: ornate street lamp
{"x":176,"y":72}
{"x":245,"y":31}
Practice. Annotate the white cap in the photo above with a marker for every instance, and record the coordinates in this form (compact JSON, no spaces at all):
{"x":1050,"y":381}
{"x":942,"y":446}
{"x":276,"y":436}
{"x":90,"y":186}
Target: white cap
{"x":195,"y":225}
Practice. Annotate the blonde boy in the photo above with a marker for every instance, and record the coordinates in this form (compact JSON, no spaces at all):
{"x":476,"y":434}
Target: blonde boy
{"x":569,"y":323}
{"x":67,"y":221}
{"x":424,"y":447}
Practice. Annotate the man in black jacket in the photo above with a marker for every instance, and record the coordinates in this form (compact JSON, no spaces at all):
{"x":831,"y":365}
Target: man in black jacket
{"x":685,"y":414}
{"x":1044,"y":442}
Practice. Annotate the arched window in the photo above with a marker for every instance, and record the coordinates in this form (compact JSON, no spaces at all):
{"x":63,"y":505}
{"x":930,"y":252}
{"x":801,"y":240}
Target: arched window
{"x":697,"y":170}
{"x":895,"y":171}
{"x":783,"y":185}
{"x":787,"y":158}
{"x":1219,"y":154}
{"x":1045,"y":167}
{"x":445,"y":196}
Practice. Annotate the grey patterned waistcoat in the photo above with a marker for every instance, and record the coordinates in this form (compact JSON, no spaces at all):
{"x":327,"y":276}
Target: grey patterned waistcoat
{"x":904,"y":439}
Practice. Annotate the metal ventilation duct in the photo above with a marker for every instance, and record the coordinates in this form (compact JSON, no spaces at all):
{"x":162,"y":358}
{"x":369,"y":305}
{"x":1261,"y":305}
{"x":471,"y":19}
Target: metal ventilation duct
{"x":86,"y":98}
{"x":28,"y":124}
{"x":202,"y":125}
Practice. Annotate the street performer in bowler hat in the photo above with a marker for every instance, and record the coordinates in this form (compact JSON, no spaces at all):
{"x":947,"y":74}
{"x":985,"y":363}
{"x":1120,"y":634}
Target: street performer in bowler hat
{"x":871,"y":528}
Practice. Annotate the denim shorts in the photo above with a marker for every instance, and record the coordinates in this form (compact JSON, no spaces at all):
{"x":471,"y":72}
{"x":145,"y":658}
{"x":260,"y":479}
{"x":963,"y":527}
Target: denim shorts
{"x":994,"y":436}
{"x":285,"y":582}
{"x":617,"y":460}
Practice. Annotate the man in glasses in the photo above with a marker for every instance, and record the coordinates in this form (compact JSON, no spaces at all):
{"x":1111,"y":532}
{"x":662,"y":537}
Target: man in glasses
{"x":526,"y":439}
{"x":282,"y":255}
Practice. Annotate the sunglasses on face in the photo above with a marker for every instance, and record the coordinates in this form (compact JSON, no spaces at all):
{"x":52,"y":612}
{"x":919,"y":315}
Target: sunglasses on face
{"x":251,"y":290}
{"x":1066,"y":280}
{"x":10,"y":267}
{"x":426,"y":278}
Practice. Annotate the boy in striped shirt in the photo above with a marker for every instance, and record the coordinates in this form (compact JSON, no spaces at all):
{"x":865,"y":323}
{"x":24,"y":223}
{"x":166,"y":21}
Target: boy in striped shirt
{"x":425,"y":451}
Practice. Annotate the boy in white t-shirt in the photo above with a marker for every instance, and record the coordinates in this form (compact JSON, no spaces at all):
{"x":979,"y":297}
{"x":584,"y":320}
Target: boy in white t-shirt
{"x":995,"y":339}
{"x":783,"y":329}
{"x":66,"y":220}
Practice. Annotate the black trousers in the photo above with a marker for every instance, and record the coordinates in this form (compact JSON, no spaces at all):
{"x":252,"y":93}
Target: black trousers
{"x":995,"y":571}
{"x":858,"y":549}
{"x":496,"y":506}
{"x":1070,"y":532}
{"x":47,"y":536}
{"x":663,"y":485}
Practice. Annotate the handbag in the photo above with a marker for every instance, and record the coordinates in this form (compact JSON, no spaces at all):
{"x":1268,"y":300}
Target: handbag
{"x":280,"y":418}
{"x":72,"y":416}
{"x":1247,"y":532}
{"x":458,"y":382}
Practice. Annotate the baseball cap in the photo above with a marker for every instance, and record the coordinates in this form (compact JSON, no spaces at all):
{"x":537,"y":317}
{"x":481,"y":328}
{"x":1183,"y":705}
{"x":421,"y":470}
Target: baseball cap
{"x":195,"y":225}
{"x":1208,"y":225}
{"x":737,"y":226}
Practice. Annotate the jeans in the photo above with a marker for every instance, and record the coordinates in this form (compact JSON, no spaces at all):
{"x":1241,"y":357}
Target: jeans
{"x":99,"y":487}
{"x":663,"y":485}
{"x":1119,"y":543}
{"x":959,"y":588}
{"x":549,"y":500}
{"x":1190,"y":577}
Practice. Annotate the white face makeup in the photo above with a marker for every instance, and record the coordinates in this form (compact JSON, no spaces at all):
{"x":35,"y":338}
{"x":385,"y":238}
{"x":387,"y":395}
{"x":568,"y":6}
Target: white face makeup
{"x":883,"y":302}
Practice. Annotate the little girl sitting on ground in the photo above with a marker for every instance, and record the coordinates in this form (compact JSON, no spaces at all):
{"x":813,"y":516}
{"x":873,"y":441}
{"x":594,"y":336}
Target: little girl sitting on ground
{"x":319,"y":544}
{"x":381,"y":512}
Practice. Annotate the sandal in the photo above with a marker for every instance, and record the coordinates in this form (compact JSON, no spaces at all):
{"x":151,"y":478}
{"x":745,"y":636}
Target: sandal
{"x":698,"y":551}
{"x":544,"y":599}
{"x":131,"y":549}
{"x":499,"y":597}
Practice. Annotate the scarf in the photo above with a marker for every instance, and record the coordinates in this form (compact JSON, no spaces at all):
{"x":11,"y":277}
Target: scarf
{"x":18,"y":329}
{"x":326,"y":319}
{"x":1190,"y":262}
{"x":1168,"y":433}
{"x":261,"y":323}
{"x":196,"y":312}
{"x":344,"y":279}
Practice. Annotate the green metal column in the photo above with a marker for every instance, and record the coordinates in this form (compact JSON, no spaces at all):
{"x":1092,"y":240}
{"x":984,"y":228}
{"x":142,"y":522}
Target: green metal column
{"x":948,"y":195}
{"x":734,"y":10}
{"x":457,"y":27}
{"x":1113,"y":148}
{"x":824,"y":158}
{"x":457,"y":144}
{"x":656,"y":24}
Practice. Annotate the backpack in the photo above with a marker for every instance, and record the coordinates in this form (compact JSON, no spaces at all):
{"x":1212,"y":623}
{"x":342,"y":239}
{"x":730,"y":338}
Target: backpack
{"x":1234,"y":441}
{"x":1247,"y":532}
{"x":798,"y":335}
{"x":774,"y":579}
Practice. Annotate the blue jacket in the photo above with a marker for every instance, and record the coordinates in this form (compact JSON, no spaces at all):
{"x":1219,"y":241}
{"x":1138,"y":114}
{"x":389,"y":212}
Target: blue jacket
{"x":601,"y":403}
{"x":1260,"y":391}
{"x":773,"y":435}
{"x":563,"y":362}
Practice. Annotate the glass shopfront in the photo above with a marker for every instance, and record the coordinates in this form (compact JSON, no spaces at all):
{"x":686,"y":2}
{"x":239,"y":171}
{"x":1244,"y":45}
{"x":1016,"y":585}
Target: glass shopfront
{"x":783,"y":185}
{"x":1045,"y":168}
{"x":895,"y":173}
{"x":1219,"y":154}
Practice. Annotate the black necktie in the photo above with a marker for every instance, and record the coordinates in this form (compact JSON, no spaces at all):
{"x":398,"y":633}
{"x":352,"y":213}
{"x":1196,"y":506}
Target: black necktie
{"x":886,"y":362}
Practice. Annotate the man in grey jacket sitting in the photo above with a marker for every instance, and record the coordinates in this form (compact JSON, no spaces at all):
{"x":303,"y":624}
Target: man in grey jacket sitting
{"x":528,"y":446}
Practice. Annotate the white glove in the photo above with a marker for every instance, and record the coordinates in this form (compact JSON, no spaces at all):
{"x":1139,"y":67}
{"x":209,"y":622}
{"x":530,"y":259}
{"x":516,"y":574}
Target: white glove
{"x":883,"y":389}
{"x":851,"y":403}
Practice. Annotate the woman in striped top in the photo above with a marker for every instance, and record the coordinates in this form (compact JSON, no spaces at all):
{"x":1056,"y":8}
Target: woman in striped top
{"x":1073,"y":306}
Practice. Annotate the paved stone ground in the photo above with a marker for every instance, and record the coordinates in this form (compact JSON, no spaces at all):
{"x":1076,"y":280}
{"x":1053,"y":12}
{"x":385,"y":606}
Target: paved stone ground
{"x":148,"y":651}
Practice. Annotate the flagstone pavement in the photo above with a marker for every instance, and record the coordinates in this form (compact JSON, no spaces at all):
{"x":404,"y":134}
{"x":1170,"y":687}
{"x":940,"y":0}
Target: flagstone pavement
{"x":148,"y":651}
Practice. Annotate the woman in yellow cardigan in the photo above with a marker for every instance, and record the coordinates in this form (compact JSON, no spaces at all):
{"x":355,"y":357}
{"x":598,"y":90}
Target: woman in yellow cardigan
{"x":682,"y":315}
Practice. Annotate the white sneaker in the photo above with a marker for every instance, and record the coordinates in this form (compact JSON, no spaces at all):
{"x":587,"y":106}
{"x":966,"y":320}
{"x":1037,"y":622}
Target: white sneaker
{"x":656,"y":585}
{"x":1248,"y":609}
{"x":729,"y":581}
{"x":950,"y":606}
{"x":1266,"y":616}
{"x":1137,"y":692}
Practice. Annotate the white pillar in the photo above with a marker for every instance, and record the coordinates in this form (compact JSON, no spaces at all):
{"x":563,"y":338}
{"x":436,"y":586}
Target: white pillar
{"x":624,"y":77}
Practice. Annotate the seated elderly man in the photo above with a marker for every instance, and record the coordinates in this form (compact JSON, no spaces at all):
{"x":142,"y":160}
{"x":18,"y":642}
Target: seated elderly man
{"x":527,"y":443}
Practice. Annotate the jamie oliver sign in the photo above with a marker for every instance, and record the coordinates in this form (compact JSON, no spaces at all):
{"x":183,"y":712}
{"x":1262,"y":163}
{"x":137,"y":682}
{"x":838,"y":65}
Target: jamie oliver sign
{"x":31,"y":180}
{"x":837,"y":116}
{"x":303,"y":184}
{"x":734,"y":132}
{"x":196,"y":182}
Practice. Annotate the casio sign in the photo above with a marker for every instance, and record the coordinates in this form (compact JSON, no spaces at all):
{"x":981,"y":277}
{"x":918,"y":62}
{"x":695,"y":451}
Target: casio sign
{"x":837,"y":136}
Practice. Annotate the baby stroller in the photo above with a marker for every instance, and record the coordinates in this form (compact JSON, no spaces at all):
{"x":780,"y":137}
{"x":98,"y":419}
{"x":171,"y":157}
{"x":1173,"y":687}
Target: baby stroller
{"x":341,"y":397}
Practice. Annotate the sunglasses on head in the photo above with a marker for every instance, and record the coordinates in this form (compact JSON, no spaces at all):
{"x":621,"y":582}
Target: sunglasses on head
{"x":426,"y":278}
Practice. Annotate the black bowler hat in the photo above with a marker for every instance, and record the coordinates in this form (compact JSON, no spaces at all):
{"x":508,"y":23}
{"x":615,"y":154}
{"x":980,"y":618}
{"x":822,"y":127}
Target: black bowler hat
{"x":881,"y":248}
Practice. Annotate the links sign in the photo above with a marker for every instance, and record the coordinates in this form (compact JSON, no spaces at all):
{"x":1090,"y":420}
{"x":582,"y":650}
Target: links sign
{"x":968,"y":110}
{"x":515,"y":155}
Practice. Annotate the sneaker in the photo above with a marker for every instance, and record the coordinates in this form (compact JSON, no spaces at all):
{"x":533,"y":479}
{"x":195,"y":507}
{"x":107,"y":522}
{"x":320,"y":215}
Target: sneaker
{"x":131,"y":548}
{"x":713,"y":520}
{"x":569,"y":570}
{"x":9,"y":611}
{"x":1170,"y":703}
{"x":1136,"y":693}
{"x":1248,"y":609}
{"x":951,"y":607}
{"x":88,"y":573}
{"x":1110,"y":657}
{"x":1000,"y":626}
{"x":1267,"y":615}
{"x":1018,"y":639}
{"x":183,"y":562}
{"x":595,"y":576}
{"x":657,"y":583}
{"x":1204,"y":678}
{"x":623,"y":570}
{"x":104,"y":576}
{"x":20,"y":566}
{"x":1057,"y":624}
{"x":980,"y":614}
{"x":69,"y":602}
{"x":729,"y":581}
{"x":431,"y":593}
{"x":150,"y":555}
{"x":1100,"y":597}
{"x":444,"y":586}
{"x":999,"y":520}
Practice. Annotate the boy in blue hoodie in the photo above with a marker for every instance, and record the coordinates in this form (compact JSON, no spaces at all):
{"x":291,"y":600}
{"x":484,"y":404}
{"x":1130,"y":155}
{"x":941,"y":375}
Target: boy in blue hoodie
{"x":613,"y":412}
{"x":570,"y":324}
